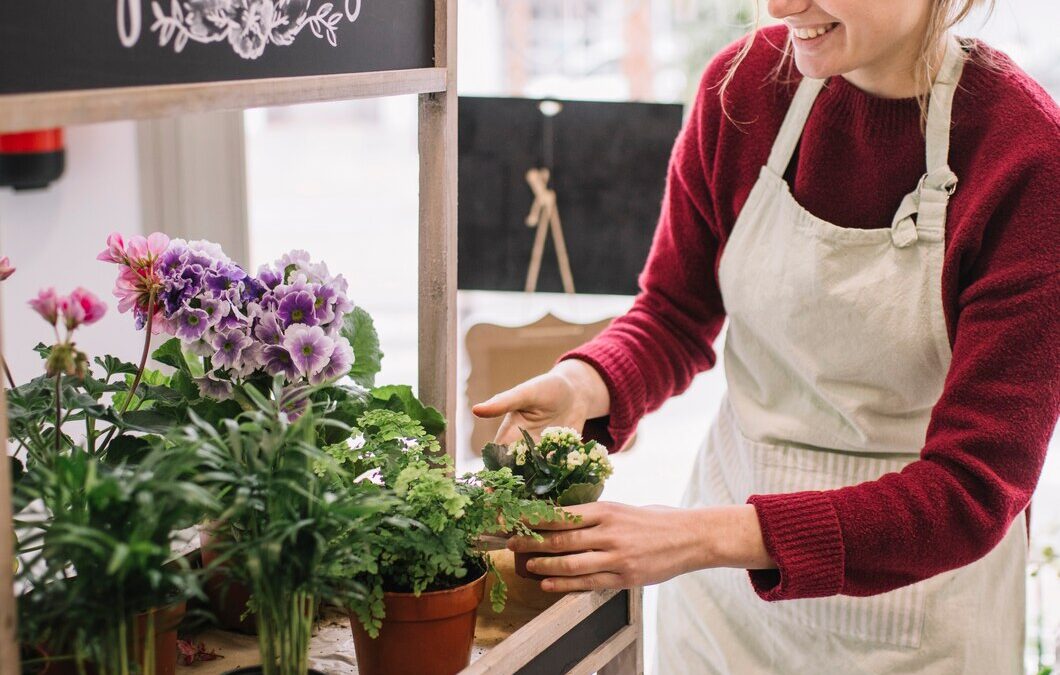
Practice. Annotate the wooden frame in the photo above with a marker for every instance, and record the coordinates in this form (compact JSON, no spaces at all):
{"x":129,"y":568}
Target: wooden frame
{"x":606,"y":626}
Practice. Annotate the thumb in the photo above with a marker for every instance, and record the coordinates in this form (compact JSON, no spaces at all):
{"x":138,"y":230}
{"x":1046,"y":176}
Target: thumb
{"x":501,"y":404}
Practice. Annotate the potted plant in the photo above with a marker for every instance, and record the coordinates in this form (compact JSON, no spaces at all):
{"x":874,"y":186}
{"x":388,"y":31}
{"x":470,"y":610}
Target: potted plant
{"x":102,"y":590}
{"x":95,"y":528}
{"x":560,"y":468}
{"x":233,"y":333}
{"x":428,"y":576}
{"x":285,"y":504}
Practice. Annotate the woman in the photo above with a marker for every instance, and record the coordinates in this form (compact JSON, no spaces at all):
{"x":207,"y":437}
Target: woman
{"x":881,"y":226}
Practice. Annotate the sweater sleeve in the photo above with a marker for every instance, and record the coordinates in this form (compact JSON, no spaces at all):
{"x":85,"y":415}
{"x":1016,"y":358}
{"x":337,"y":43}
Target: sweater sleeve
{"x":985,"y":444}
{"x":653,"y":351}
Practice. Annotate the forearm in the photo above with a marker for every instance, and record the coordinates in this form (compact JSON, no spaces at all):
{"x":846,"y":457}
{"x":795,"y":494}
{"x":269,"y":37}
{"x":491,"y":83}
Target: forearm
{"x":727,"y":536}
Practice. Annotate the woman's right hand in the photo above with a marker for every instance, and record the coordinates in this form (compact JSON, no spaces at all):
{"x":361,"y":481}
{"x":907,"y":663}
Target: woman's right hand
{"x":566,"y":396}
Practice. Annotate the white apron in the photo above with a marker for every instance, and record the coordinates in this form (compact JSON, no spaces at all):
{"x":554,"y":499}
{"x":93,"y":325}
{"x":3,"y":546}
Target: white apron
{"x":835,"y":355}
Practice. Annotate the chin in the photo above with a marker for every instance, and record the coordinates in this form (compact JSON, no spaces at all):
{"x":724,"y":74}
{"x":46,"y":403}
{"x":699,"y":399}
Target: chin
{"x":816,"y":68}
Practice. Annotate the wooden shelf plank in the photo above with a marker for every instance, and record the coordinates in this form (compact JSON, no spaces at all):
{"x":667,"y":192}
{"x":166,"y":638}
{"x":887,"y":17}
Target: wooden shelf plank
{"x":527,"y":642}
{"x":64,"y":108}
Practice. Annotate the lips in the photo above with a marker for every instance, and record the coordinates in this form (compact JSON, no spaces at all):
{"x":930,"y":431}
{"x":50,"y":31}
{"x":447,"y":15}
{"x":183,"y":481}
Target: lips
{"x":812,"y":32}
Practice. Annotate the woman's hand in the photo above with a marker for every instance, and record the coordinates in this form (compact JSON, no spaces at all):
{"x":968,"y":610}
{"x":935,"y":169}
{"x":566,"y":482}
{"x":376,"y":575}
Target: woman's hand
{"x":566,"y":396}
{"x":620,"y":546}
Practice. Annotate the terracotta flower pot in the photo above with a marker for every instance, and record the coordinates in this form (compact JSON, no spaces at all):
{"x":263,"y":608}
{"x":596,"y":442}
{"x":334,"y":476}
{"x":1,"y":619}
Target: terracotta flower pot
{"x":166,"y":620}
{"x":228,"y":599}
{"x":427,"y":635}
{"x":523,"y":593}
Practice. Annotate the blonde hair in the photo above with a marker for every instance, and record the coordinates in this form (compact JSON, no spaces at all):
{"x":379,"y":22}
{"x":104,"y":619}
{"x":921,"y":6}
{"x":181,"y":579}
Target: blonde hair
{"x":944,"y":15}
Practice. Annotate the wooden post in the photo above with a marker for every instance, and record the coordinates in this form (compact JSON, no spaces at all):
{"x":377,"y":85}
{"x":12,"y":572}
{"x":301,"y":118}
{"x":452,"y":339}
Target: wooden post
{"x":437,"y":257}
{"x":630,"y":661}
{"x":9,"y":655}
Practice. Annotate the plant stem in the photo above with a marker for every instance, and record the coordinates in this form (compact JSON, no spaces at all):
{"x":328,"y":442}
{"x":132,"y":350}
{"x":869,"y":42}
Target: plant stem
{"x":146,"y":352}
{"x":58,"y":412}
{"x":140,"y":370}
{"x":7,"y":372}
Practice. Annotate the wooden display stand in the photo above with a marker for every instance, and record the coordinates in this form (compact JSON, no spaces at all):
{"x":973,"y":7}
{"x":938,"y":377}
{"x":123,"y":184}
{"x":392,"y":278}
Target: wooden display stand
{"x":583,"y":632}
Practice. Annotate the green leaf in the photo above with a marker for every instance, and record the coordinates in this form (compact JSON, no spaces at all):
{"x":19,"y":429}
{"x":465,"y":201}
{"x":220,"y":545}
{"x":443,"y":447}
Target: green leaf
{"x":170,"y":353}
{"x":44,"y":350}
{"x":399,"y":398}
{"x":580,"y":493}
{"x":112,"y":365}
{"x":359,"y":329}
{"x":125,"y":448}
{"x":495,"y":457}
{"x":149,"y":421}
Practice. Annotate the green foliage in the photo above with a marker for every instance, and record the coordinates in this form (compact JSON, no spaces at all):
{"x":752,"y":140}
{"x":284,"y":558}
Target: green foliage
{"x":294,"y":522}
{"x":359,"y":329}
{"x":429,"y":540}
{"x":560,"y":467}
{"x":104,"y":551}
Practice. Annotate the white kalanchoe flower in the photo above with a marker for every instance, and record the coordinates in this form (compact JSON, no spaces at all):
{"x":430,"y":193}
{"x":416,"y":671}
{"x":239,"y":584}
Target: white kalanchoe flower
{"x":575,"y":459}
{"x":561,"y":436}
{"x":598,"y":453}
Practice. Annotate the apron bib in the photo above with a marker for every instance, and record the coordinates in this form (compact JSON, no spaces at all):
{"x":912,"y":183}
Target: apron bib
{"x":836,"y":353}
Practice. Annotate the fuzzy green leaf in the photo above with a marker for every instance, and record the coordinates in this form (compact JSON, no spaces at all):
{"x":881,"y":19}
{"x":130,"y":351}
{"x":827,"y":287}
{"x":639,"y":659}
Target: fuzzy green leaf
{"x":359,"y":329}
{"x":580,"y":493}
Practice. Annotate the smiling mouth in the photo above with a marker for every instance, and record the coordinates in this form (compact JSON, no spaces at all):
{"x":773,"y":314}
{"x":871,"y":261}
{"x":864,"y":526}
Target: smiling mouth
{"x":812,"y":32}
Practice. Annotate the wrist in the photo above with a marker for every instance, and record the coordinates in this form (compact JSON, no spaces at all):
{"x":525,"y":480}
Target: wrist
{"x":730,"y":536}
{"x":591,"y":395}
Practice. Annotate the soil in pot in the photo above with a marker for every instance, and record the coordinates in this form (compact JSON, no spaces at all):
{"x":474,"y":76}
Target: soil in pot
{"x":227,"y":598}
{"x":427,"y":635}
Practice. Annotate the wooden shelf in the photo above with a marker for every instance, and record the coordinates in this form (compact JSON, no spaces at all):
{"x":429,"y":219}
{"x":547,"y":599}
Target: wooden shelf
{"x":63,"y":108}
{"x":583,"y":633}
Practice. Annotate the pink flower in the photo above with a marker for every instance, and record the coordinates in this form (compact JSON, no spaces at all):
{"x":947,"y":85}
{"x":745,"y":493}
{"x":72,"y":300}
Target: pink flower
{"x":47,"y":305}
{"x":82,"y":307}
{"x":115,"y":251}
{"x":143,"y":251}
{"x":6,"y":270}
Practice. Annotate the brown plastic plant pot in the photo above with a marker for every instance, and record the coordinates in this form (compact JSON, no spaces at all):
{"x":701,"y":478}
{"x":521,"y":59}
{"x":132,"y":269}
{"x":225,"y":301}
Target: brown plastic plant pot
{"x":427,"y":635}
{"x":166,"y":619}
{"x":520,"y":564}
{"x":227,"y":598}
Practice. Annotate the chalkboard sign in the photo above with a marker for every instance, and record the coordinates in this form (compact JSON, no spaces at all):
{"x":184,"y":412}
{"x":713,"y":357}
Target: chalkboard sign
{"x":607,"y":165}
{"x":56,"y":45}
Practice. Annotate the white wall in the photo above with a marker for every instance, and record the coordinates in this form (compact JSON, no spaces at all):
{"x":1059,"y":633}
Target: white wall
{"x":53,"y":236}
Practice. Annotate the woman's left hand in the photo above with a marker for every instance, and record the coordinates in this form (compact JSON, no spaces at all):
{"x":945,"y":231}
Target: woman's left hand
{"x":620,"y":546}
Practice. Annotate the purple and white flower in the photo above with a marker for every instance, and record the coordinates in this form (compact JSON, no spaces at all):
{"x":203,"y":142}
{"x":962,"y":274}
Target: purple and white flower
{"x":310,"y":348}
{"x":229,"y":346}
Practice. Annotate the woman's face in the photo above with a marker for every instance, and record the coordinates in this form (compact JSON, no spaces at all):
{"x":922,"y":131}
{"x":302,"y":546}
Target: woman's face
{"x":872,"y":38}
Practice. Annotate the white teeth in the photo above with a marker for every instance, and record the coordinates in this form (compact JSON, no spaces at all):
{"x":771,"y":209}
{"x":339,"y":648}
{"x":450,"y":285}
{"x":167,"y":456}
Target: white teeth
{"x":811,"y":33}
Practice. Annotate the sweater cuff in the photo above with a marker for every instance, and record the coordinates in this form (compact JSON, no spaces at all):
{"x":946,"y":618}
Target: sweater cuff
{"x":625,"y":386}
{"x":802,"y":534}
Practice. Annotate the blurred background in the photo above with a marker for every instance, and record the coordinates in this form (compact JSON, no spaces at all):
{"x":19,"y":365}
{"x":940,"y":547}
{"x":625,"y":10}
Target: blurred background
{"x":340,"y":180}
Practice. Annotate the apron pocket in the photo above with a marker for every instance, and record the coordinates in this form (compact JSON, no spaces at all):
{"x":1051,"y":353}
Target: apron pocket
{"x":747,"y":467}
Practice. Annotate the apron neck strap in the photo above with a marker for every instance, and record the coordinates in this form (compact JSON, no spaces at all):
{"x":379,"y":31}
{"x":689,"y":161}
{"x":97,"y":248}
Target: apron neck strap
{"x":794,"y":121}
{"x":937,"y":131}
{"x":940,"y":106}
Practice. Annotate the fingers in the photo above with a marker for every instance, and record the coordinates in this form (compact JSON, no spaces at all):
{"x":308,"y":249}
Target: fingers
{"x":575,"y":565}
{"x":589,"y":582}
{"x":503,"y":403}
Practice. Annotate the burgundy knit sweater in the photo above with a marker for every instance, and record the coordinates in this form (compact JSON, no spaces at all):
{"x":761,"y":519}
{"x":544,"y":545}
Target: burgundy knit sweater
{"x":858,"y":157}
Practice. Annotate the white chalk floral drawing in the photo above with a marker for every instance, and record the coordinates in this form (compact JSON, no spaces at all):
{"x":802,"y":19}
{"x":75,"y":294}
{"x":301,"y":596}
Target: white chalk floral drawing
{"x":249,"y":26}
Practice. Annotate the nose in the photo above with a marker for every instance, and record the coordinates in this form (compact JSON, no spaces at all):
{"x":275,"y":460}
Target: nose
{"x":780,"y":9}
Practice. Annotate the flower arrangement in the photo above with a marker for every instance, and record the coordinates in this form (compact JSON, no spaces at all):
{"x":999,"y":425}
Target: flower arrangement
{"x":560,"y":467}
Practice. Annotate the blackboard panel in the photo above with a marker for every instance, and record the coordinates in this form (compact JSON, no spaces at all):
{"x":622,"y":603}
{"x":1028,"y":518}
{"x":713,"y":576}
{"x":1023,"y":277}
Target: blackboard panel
{"x":608,"y":165}
{"x":58,"y":45}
